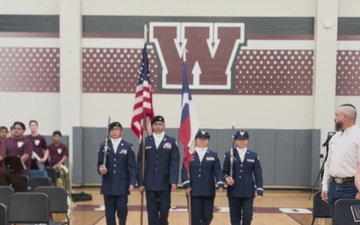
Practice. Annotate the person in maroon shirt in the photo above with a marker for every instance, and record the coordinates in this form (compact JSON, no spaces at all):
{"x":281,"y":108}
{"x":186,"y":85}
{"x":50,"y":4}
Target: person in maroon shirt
{"x":10,"y":132}
{"x":3,"y":133}
{"x":2,"y":157}
{"x":19,"y":146}
{"x":40,"y":150}
{"x":58,"y":151}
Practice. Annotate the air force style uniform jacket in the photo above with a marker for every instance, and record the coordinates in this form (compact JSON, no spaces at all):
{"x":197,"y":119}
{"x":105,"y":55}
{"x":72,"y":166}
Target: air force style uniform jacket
{"x":244,"y":174}
{"x":121,"y":169}
{"x":203,"y":174}
{"x":161,"y":164}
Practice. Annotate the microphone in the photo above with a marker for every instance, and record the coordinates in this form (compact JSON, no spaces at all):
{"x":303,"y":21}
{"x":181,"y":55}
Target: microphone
{"x":330,"y":135}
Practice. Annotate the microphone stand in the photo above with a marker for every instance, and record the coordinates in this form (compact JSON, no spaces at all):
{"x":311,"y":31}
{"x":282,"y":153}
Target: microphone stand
{"x":321,"y":172}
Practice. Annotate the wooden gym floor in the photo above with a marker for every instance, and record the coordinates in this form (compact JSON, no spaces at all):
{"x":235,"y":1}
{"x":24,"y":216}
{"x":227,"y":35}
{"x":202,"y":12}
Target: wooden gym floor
{"x":278,"y":207}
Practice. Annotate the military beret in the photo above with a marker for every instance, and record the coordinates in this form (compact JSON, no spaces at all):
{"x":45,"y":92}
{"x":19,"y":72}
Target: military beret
{"x":157,"y":119}
{"x":202,"y":133}
{"x":114,"y":124}
{"x":241,"y":134}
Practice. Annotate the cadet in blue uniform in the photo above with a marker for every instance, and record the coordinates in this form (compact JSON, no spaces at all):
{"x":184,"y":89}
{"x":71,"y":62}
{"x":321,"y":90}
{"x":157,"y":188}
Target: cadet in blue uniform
{"x":119,"y":175}
{"x":204,"y":168}
{"x":161,"y":172}
{"x":241,"y":187}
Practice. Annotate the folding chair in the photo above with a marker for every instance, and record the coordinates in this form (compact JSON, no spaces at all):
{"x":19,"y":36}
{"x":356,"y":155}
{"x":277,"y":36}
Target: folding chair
{"x":39,"y":181}
{"x":3,"y":215}
{"x":29,"y":207}
{"x":5,"y":195}
{"x":321,"y":209}
{"x":58,"y":201}
{"x":342,"y":212}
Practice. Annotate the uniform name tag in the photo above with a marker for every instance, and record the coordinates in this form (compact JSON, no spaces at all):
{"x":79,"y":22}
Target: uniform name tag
{"x":210,"y":159}
{"x":167,"y":145}
{"x":250,"y":160}
{"x":147,"y":147}
{"x":124,"y":151}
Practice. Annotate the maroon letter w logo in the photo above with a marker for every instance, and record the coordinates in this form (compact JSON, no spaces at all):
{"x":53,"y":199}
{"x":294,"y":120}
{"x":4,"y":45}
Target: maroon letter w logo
{"x":211,"y":50}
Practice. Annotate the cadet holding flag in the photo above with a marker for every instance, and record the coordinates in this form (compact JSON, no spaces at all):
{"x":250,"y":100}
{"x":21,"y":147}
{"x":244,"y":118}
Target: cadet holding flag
{"x":199,"y":183}
{"x":241,"y":187}
{"x":161,"y":171}
{"x":119,"y":174}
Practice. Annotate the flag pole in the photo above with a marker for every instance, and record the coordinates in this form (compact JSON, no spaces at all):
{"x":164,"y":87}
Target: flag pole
{"x":145,"y":33}
{"x":188,"y":172}
{"x":143,"y":148}
{"x":189,"y":200}
{"x":143,"y":112}
{"x":143,"y":168}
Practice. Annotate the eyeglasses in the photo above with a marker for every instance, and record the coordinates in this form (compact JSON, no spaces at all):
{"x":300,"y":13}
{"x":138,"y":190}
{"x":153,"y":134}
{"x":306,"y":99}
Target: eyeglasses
{"x":17,"y":128}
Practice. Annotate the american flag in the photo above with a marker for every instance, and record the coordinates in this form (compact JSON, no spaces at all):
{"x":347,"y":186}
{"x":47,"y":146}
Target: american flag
{"x":189,"y":121}
{"x":143,"y":107}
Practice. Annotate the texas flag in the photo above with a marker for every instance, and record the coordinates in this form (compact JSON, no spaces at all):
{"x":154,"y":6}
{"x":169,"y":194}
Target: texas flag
{"x":189,"y":121}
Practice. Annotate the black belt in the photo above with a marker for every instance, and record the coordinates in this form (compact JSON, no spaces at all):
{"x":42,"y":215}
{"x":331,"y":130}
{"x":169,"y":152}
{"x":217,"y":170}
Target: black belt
{"x":345,"y":180}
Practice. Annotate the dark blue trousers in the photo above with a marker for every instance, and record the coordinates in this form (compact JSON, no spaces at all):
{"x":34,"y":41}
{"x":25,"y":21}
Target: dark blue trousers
{"x":116,"y":204}
{"x":241,"y":209}
{"x":158,"y":205}
{"x":202,"y":209}
{"x":340,"y":191}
